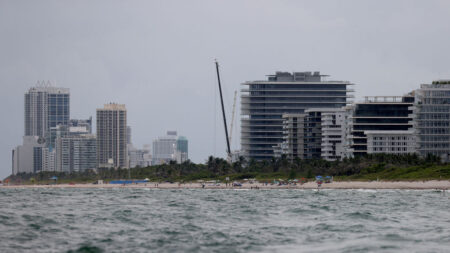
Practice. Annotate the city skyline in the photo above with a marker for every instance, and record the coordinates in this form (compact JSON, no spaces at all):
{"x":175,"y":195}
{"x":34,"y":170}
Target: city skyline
{"x":149,"y":59}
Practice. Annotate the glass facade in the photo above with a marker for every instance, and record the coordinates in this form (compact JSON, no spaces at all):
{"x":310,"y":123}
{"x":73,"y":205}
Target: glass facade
{"x":182,"y":144}
{"x":46,"y":107}
{"x":379,"y":113}
{"x":264,"y":102}
{"x":431,"y":119}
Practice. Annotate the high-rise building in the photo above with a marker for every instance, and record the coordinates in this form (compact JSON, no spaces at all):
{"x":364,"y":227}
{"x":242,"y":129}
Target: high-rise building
{"x":381,"y":113}
{"x":112,"y":136}
{"x":182,"y":149}
{"x":431,"y":114}
{"x":164,"y":148}
{"x":76,"y":153}
{"x":82,"y":123}
{"x":46,"y":107}
{"x":138,"y":157}
{"x":170,"y":148}
{"x":264,"y":102}
{"x":129,"y":135}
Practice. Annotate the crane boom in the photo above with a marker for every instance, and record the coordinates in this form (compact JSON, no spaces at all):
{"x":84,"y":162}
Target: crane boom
{"x":232,"y":116}
{"x":223,"y":112}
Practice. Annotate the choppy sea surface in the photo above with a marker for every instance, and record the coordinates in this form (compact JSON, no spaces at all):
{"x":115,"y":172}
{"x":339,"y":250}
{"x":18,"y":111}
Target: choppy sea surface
{"x":206,"y":220}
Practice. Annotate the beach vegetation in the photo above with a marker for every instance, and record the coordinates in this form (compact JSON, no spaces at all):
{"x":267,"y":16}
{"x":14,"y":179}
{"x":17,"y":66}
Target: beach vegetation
{"x":369,"y":167}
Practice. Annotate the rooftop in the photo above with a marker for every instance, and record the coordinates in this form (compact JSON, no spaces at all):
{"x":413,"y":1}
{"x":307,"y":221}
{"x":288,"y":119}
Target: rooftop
{"x":42,"y":86}
{"x":113,"y":106}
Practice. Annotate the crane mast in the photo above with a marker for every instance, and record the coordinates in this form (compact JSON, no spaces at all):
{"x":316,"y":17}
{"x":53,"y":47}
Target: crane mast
{"x":232,"y":116}
{"x":223,"y":113}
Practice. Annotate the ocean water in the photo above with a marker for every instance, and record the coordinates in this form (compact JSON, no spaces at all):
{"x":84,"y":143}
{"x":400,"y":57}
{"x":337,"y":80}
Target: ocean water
{"x":206,"y":220}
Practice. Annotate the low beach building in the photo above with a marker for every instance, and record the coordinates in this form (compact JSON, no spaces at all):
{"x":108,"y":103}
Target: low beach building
{"x":391,"y":142}
{"x":380,"y":113}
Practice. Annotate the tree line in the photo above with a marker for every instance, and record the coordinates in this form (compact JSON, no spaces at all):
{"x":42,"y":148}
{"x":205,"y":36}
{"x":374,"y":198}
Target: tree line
{"x":219,"y":168}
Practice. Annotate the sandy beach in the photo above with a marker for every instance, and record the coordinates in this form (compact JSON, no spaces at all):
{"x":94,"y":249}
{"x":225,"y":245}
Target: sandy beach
{"x":432,"y":184}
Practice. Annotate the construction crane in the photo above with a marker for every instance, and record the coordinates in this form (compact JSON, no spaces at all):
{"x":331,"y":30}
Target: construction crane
{"x":232,"y":116}
{"x":223,"y":113}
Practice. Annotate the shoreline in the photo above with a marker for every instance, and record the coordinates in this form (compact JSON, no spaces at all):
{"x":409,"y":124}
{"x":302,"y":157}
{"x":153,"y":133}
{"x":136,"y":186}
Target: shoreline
{"x":345,"y":185}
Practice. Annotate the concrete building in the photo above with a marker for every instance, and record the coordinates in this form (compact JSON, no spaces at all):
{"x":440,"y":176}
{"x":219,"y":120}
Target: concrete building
{"x":264,"y":102}
{"x":431,"y":117}
{"x":181,"y":154}
{"x":76,"y":153}
{"x":315,"y":134}
{"x":129,"y":141}
{"x":170,"y":148}
{"x":391,"y":142}
{"x":112,"y":136}
{"x":28,"y":157}
{"x":147,"y":155}
{"x":293,"y":144}
{"x":45,"y":107}
{"x":334,"y":134}
{"x":82,"y":123}
{"x":164,"y":148}
{"x":381,"y":113}
{"x":138,"y":157}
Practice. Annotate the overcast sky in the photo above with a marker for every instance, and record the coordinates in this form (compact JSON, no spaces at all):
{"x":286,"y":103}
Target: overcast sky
{"x":157,"y":57}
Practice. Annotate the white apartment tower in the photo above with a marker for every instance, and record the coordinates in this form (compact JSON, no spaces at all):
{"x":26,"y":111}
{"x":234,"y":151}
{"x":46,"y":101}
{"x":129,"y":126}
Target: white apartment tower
{"x":334,"y":125}
{"x":431,"y":119}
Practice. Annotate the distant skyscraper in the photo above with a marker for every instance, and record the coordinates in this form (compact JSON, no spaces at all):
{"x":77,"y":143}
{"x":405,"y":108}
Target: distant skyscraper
{"x":129,"y":135}
{"x":182,"y":144}
{"x":182,"y":149}
{"x":264,"y":102}
{"x":46,"y":107}
{"x":112,"y":136}
{"x":138,"y":157}
{"x":164,"y":148}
